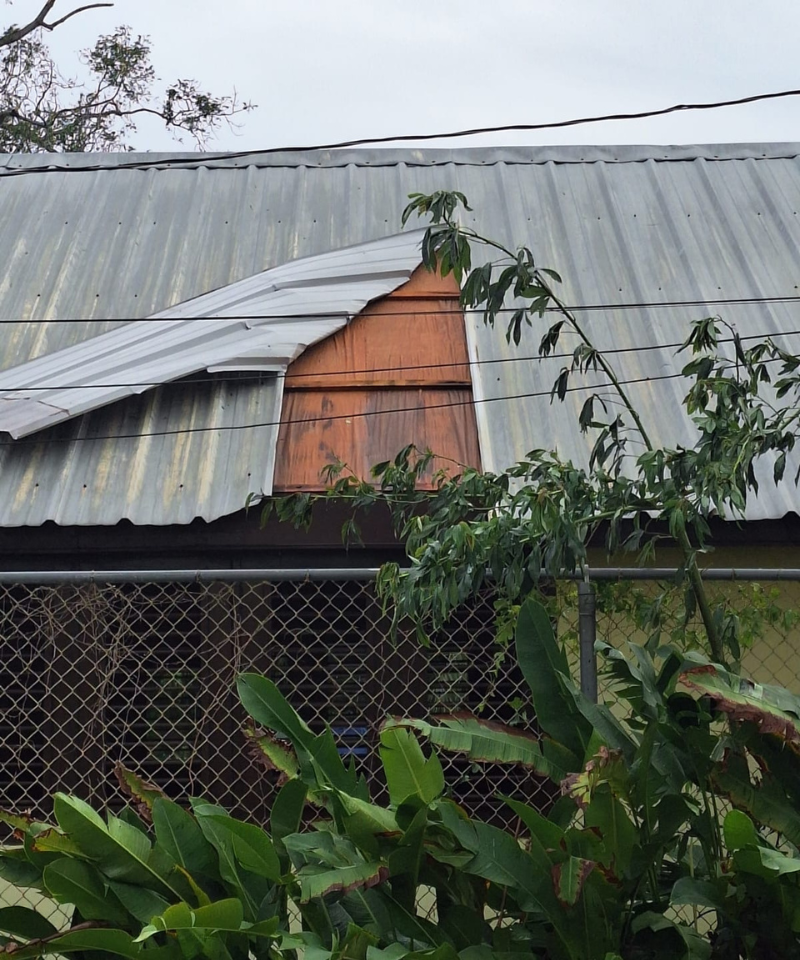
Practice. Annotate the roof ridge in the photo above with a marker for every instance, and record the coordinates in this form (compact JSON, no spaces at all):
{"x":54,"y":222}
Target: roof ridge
{"x":12,"y":165}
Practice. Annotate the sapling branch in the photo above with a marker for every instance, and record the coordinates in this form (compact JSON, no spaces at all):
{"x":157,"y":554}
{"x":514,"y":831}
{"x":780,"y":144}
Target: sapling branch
{"x":442,"y":208}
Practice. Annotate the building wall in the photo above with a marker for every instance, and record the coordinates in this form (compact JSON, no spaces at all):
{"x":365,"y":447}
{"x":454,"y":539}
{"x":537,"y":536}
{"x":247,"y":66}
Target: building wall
{"x":772,"y":655}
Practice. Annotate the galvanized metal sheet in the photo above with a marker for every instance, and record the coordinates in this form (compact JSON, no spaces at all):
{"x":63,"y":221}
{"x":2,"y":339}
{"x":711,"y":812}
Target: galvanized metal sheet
{"x":623,"y":225}
{"x":263,"y":322}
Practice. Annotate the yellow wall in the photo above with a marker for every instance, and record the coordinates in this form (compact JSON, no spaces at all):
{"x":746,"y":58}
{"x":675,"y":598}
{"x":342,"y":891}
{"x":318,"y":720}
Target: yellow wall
{"x":775,"y":658}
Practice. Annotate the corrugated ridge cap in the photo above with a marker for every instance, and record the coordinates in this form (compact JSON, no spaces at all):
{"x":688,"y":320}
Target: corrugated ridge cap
{"x":392,"y":156}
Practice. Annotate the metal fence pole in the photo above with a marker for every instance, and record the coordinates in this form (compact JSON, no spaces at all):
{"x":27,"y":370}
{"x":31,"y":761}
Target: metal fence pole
{"x":587,"y":632}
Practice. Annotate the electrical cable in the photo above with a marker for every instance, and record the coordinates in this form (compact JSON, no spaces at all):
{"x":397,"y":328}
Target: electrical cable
{"x":257,"y":378}
{"x":206,"y":159}
{"x":227,"y":428}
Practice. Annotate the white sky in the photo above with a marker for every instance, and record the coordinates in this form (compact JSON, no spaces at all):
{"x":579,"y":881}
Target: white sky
{"x":324,"y":70}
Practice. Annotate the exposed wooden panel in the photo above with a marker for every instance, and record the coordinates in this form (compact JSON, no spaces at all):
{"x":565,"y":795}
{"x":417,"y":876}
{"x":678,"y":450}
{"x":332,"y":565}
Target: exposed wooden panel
{"x":363,"y":427}
{"x":424,"y":283}
{"x":398,"y":374}
{"x":415,"y":335}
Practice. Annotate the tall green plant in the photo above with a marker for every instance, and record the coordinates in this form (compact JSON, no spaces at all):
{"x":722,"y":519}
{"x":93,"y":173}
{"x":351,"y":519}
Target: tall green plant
{"x":539,"y":517}
{"x":171,"y":882}
{"x":675,"y":836}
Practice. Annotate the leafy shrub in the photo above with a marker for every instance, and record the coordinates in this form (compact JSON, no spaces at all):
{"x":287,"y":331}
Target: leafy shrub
{"x":675,"y":836}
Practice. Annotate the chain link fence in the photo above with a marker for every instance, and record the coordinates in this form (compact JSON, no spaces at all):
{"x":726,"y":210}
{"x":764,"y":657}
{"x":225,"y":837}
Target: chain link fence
{"x":142,"y":673}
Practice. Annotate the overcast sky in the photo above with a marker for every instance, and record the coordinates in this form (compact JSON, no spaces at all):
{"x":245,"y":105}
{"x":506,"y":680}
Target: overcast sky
{"x":323,"y":70}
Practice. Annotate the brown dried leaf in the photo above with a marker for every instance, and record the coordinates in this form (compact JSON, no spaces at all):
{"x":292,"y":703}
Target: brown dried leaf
{"x":746,"y":702}
{"x":140,"y":791}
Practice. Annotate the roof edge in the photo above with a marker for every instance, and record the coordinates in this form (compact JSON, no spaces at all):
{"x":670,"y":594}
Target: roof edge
{"x":15,"y":164}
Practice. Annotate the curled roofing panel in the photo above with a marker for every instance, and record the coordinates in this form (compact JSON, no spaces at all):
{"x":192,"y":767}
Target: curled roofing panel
{"x":264,"y":321}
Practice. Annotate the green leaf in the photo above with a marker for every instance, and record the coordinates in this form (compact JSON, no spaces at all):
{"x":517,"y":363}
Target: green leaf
{"x":25,"y":923}
{"x":544,"y":666}
{"x":549,"y":834}
{"x":767,"y":803}
{"x":330,"y":769}
{"x":355,"y":943}
{"x":670,"y":939}
{"x":739,"y":831}
{"x":408,"y":773}
{"x":287,"y":812}
{"x":608,"y":816}
{"x":179,"y":834}
{"x":141,"y":903}
{"x":130,"y":816}
{"x":252,"y":846}
{"x":268,"y":707}
{"x":71,"y":881}
{"x":367,"y":909}
{"x":418,"y":930}
{"x":115,"y":942}
{"x":569,"y":878}
{"x":498,"y":857}
{"x":230,"y":868}
{"x":445,"y":951}
{"x":223,"y":915}
{"x":309,"y":945}
{"x":264,"y":928}
{"x":20,"y":873}
{"x":464,"y":925}
{"x":604,"y":724}
{"x":552,"y":274}
{"x":343,"y":879}
{"x":407,"y":858}
{"x":777,"y":862}
{"x":368,"y":816}
{"x":484,"y":741}
{"x":395,"y":951}
{"x":691,"y":891}
{"x":120,"y":851}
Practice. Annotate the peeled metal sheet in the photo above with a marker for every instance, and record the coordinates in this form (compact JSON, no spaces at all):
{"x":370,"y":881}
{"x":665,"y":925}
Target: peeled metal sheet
{"x":272,"y":317}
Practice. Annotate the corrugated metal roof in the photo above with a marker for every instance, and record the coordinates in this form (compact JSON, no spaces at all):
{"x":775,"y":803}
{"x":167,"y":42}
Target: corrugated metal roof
{"x":623,"y":225}
{"x":262,"y":323}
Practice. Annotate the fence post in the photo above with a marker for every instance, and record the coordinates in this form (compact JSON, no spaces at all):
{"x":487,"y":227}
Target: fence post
{"x":587,"y":632}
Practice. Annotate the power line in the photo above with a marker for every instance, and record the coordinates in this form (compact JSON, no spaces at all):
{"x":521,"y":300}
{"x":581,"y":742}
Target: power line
{"x":322,"y":315}
{"x":400,"y":138}
{"x":256,"y":378}
{"x":227,"y":428}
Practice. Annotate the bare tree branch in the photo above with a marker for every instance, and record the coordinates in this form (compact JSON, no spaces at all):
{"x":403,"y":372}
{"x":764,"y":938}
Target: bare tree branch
{"x":11,"y":948}
{"x":15,"y":34}
{"x":39,"y":22}
{"x":13,"y":114}
{"x":89,"y":6}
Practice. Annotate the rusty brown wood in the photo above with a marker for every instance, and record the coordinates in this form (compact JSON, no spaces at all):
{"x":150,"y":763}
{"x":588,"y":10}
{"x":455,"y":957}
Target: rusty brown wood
{"x":397,"y":375}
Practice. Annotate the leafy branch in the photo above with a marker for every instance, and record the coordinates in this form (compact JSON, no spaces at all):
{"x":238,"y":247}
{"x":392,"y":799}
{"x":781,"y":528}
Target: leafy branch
{"x":43,"y":109}
{"x":539,"y":517}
